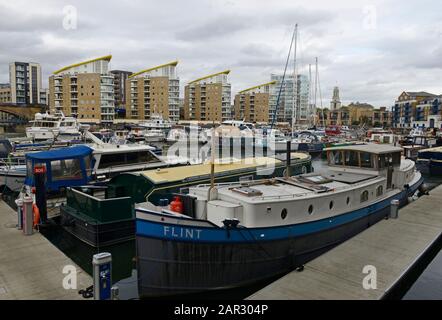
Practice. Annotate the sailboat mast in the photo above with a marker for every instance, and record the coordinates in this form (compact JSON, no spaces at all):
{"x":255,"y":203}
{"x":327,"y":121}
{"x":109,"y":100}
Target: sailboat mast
{"x":295,"y":83}
{"x":310,"y":106}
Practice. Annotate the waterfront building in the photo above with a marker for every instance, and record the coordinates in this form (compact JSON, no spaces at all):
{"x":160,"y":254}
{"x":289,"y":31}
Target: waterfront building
{"x":84,"y":90}
{"x":288,"y":91}
{"x":5,"y":93}
{"x":153,"y":91}
{"x":428,"y":113}
{"x":252,"y":104}
{"x":25,"y":83}
{"x":120,"y":78}
{"x":208,"y":98}
{"x":354,"y":114}
{"x":404,"y":109}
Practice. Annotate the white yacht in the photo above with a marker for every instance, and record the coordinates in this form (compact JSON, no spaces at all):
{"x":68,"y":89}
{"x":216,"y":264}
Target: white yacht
{"x":53,"y":126}
{"x":156,"y":121}
{"x":154,"y":135}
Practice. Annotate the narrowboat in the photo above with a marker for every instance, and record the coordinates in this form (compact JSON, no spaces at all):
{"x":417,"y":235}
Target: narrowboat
{"x":236,"y":234}
{"x":105,"y":215}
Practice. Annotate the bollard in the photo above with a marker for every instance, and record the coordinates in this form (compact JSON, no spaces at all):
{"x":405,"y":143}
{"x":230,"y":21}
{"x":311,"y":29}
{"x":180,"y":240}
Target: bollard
{"x":28,"y":216}
{"x":102,"y":263}
{"x":19,"y":203}
{"x":394,"y":209}
{"x":115,"y":292}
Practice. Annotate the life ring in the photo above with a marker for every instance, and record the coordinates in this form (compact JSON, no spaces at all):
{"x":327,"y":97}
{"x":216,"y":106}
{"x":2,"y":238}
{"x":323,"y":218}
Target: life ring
{"x":36,"y":214}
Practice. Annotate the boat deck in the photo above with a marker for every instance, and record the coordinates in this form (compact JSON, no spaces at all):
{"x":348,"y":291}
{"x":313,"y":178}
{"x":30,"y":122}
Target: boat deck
{"x":31,"y":268}
{"x":395,"y":247}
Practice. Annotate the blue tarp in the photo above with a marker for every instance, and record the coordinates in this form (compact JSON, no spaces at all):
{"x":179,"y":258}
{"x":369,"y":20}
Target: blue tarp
{"x":60,"y":154}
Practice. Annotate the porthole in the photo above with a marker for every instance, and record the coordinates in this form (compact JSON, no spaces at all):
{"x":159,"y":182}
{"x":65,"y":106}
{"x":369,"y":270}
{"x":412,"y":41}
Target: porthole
{"x":283,"y":213}
{"x":331,"y":205}
{"x":269,"y":210}
{"x":310,"y":209}
{"x":379,"y":191}
{"x":364,"y":196}
{"x":348,"y":200}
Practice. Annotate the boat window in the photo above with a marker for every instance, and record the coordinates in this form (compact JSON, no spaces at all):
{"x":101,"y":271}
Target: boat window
{"x":284,"y":213}
{"x":366,"y":160}
{"x":331,"y":205}
{"x":379,"y":191}
{"x":110,"y":160}
{"x":364,"y":196}
{"x":310,"y":209}
{"x":396,"y":158}
{"x":348,"y":200}
{"x":336,"y":158}
{"x":351,"y":158}
{"x":87,"y":163}
{"x":68,"y":169}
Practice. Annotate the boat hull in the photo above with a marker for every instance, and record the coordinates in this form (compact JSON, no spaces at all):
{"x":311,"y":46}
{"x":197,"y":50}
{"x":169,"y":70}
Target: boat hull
{"x":173,"y":267}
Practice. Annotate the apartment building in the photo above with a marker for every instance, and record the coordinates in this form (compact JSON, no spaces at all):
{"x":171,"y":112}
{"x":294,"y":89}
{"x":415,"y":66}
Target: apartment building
{"x":120,"y":77}
{"x":252,"y":104}
{"x":25,"y":83}
{"x":84,"y":90}
{"x":154,"y":91}
{"x":289,"y":89}
{"x":208,"y":98}
{"x":5,"y":93}
{"x":404,"y":109}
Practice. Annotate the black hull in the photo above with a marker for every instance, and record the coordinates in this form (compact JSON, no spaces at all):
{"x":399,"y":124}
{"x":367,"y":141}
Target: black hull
{"x":97,"y":234}
{"x":174,"y":268}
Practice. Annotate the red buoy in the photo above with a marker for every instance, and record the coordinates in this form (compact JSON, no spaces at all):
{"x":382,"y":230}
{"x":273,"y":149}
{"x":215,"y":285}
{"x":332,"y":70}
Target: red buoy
{"x":176,"y":205}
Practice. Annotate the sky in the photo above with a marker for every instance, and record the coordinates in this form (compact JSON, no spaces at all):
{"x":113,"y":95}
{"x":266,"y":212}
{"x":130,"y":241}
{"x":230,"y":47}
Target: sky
{"x":371,"y":50}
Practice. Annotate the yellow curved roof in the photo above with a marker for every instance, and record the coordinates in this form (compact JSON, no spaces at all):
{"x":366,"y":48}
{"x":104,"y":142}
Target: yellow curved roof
{"x":210,"y":76}
{"x":261,"y":85}
{"x":173,"y":63}
{"x":108,"y":58}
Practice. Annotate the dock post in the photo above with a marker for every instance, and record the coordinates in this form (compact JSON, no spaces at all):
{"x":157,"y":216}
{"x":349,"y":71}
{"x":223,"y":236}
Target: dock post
{"x":19,"y":203}
{"x":28,"y":216}
{"x":394,"y":209}
{"x":40,"y":192}
{"x":102,"y":264}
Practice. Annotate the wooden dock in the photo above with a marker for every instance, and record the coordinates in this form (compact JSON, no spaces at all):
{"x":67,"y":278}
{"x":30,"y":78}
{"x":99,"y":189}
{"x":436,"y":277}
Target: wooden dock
{"x":31,"y":268}
{"x":393,"y":246}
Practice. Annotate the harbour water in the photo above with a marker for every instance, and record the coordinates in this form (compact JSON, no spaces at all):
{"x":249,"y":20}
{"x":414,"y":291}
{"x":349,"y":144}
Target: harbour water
{"x":427,"y":286}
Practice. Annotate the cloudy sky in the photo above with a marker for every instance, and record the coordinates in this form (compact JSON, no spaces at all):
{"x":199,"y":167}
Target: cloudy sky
{"x":372,"y":50}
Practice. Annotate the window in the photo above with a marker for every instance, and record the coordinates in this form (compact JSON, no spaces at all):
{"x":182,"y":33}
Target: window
{"x":379,"y":191}
{"x":351,"y":158}
{"x":331,"y":205}
{"x":336,"y":158}
{"x":68,"y":169}
{"x":366,"y":160}
{"x":348,"y":200}
{"x":310,"y":209}
{"x":284,"y":213}
{"x":364,"y":196}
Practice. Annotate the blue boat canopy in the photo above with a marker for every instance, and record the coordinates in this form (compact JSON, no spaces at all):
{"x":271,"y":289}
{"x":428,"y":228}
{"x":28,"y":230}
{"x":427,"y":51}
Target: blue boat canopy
{"x":60,"y":154}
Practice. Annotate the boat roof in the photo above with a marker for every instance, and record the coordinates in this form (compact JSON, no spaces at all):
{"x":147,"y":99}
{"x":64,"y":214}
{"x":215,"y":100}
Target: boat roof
{"x":111,"y":148}
{"x":184,"y":172}
{"x":369,"y":147}
{"x":60,"y":154}
{"x":435,"y":149}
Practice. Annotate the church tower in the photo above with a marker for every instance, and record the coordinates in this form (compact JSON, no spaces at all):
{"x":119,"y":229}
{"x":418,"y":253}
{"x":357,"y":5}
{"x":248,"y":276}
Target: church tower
{"x":335,"y":103}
